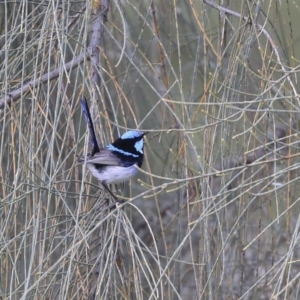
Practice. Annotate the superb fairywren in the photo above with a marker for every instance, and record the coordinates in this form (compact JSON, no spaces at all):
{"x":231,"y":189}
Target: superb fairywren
{"x":118,"y":161}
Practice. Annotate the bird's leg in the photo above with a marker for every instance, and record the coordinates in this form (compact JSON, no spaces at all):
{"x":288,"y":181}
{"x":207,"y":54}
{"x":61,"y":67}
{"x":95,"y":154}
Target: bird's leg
{"x":112,"y":194}
{"x":109,"y":191}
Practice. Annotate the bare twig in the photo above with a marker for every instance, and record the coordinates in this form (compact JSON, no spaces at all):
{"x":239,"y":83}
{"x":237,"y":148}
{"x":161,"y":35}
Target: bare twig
{"x":92,"y":54}
{"x":97,"y":257}
{"x":261,"y":29}
{"x":14,"y":95}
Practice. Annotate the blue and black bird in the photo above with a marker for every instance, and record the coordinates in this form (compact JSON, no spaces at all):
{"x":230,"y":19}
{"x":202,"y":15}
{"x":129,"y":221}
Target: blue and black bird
{"x":118,"y":161}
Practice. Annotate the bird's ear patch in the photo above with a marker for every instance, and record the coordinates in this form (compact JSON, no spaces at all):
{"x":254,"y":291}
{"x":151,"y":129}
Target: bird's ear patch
{"x":132,"y":134}
{"x":139,"y":145}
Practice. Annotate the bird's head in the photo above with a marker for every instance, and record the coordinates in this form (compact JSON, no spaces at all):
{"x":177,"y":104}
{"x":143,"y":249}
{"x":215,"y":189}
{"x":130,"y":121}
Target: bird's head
{"x":135,"y":139}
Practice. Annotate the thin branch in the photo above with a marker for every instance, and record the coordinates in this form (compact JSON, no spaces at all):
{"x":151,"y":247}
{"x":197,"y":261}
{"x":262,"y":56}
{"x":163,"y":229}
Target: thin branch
{"x":92,"y":54}
{"x":14,"y":95}
{"x":97,"y":257}
{"x":261,"y":29}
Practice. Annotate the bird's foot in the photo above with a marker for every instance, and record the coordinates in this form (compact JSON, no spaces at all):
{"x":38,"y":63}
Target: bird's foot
{"x":116,"y":204}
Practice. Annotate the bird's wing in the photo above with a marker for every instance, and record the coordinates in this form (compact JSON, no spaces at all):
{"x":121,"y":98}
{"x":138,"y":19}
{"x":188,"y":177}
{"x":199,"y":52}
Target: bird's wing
{"x":104,"y":157}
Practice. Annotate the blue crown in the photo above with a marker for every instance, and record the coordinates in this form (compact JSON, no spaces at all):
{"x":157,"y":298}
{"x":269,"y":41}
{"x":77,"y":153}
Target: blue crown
{"x":132,"y":134}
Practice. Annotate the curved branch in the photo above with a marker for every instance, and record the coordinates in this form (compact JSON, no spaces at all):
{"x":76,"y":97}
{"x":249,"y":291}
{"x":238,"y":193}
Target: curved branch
{"x":92,"y":54}
{"x":262,"y":30}
{"x":14,"y":95}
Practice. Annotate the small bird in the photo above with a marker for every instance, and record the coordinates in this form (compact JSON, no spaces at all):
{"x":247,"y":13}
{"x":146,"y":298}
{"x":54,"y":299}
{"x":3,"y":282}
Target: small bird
{"x":118,"y":161}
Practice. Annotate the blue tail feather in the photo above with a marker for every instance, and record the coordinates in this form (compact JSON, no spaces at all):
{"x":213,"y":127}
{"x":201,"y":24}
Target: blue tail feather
{"x":88,"y":119}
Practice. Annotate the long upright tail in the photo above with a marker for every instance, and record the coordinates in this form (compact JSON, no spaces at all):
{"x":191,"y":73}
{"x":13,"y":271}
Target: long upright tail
{"x":88,"y":119}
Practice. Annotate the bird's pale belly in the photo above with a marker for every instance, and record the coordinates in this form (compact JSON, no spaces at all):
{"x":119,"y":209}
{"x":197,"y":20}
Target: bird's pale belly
{"x":113,"y":174}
